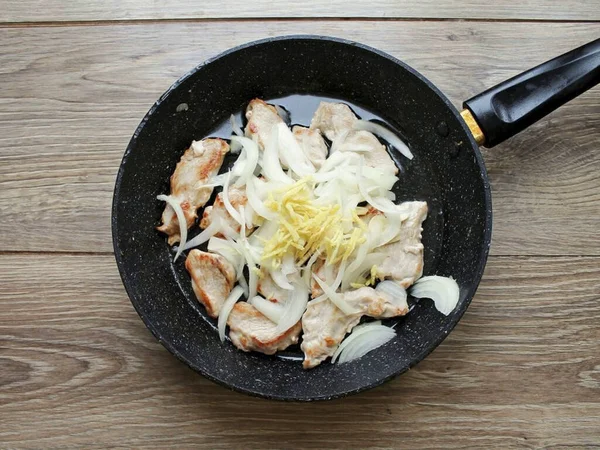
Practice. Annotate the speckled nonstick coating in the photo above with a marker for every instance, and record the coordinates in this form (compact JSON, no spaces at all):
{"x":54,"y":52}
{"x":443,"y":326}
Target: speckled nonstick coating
{"x":447,"y":171}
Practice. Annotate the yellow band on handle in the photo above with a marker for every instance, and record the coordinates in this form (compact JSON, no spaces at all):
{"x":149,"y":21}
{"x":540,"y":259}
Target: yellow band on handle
{"x":473,"y":126}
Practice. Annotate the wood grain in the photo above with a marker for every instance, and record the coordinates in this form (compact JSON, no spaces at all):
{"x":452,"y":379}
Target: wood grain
{"x":79,"y":369}
{"x":72,"y":96}
{"x":81,"y":10}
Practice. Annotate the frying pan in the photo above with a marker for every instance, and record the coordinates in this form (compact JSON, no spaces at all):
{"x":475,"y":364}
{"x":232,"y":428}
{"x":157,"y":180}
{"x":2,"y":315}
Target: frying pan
{"x":447,"y":171}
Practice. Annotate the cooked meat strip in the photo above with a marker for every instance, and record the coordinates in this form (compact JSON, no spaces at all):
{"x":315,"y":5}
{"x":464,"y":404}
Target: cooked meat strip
{"x":213,"y":278}
{"x":237,"y":197}
{"x":270,"y":290}
{"x":333,"y":119}
{"x":404,"y":262}
{"x":251,"y":331}
{"x":197,"y":166}
{"x":336,"y":120}
{"x":312,"y":144}
{"x":325,"y":325}
{"x":261,"y":119}
{"x":377,"y":156}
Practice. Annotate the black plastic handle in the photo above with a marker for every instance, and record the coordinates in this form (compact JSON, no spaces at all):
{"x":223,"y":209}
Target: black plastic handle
{"x":515,"y":104}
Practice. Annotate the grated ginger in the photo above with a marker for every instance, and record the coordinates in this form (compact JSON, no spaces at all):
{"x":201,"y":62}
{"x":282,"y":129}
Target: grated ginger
{"x":305,"y":228}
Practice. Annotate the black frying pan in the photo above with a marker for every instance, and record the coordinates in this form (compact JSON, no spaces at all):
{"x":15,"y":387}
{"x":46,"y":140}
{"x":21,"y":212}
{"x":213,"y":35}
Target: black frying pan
{"x":447,"y":171}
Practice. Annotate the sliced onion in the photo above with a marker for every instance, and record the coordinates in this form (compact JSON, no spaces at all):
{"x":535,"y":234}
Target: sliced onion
{"x":363,"y":339}
{"x":256,"y":202}
{"x":234,"y":296}
{"x":443,"y":291}
{"x":337,"y":159}
{"x":291,"y":154}
{"x":386,"y":134}
{"x":251,"y":159}
{"x":294,"y":307}
{"x":226,"y":249}
{"x":212,"y":229}
{"x":372,"y":259}
{"x":228,"y":206}
{"x":381,"y":203}
{"x":281,"y":280}
{"x":271,"y":310}
{"x":235,"y":126}
{"x":338,"y":141}
{"x":308,"y":268}
{"x":288,"y":265}
{"x":242,"y":281}
{"x":394,"y":291}
{"x":336,"y":298}
{"x":272,"y":169}
{"x":180,"y":218}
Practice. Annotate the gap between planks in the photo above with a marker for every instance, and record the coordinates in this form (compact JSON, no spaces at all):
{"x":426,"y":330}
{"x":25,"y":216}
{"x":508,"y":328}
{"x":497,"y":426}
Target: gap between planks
{"x":108,"y":22}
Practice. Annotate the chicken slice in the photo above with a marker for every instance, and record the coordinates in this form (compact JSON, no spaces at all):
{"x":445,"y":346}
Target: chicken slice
{"x":249,"y":330}
{"x":261,"y":119}
{"x":237,"y":198}
{"x":404,"y":261}
{"x":377,"y":155}
{"x":270,"y":290}
{"x":325,"y":325}
{"x":197,"y":166}
{"x":213,"y":277}
{"x":333,"y":119}
{"x":336,"y":122}
{"x":312,"y":144}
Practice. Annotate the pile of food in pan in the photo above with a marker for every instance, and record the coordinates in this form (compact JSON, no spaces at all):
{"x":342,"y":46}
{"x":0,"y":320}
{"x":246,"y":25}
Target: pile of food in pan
{"x":304,"y":241}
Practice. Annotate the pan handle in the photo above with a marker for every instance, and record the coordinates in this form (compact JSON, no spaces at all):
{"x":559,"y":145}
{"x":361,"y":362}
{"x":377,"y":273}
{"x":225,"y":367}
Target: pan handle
{"x":513,"y":105}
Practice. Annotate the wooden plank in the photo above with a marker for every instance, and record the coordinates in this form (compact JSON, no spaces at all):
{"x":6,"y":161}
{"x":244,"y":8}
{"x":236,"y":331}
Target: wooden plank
{"x":78,"y":368}
{"x":71,"y":98}
{"x":57,"y":10}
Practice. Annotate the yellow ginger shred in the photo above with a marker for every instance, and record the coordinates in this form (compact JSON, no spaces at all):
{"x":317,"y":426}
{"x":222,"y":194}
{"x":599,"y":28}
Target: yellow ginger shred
{"x":305,"y":228}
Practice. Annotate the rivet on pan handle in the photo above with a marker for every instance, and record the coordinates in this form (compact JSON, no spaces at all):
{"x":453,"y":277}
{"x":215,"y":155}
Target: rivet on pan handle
{"x":515,"y":104}
{"x":473,"y":126}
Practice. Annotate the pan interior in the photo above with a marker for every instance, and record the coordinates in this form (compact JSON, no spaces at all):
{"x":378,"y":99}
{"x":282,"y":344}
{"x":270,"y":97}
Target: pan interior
{"x":296,"y":73}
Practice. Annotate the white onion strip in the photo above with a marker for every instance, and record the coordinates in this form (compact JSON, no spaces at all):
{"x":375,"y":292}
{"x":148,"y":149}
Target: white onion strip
{"x":336,"y":298}
{"x":235,"y":127}
{"x":363,"y":339}
{"x":444,"y":292}
{"x":272,"y":169}
{"x":281,"y":280}
{"x":228,"y":206}
{"x":291,"y":154}
{"x":234,"y":296}
{"x":180,"y":218}
{"x":271,"y":310}
{"x":255,"y":201}
{"x":205,"y":235}
{"x":294,"y":307}
{"x":251,"y":159}
{"x":384,"y":133}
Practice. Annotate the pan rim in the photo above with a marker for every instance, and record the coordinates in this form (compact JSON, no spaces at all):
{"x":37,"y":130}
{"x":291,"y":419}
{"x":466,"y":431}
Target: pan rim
{"x":127,"y":283}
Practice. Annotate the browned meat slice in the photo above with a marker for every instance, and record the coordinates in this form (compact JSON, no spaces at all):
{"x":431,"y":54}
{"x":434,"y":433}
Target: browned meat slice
{"x":251,"y":331}
{"x":404,"y":262}
{"x":261,"y":119}
{"x":197,"y":166}
{"x":325,"y":325}
{"x":312,"y":144}
{"x":213,"y":278}
{"x":269,"y":290}
{"x":336,"y":120}
{"x":237,"y":197}
{"x":377,"y":156}
{"x":333,"y":119}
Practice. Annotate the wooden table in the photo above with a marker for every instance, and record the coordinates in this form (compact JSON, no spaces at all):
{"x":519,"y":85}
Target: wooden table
{"x":79,"y":369}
